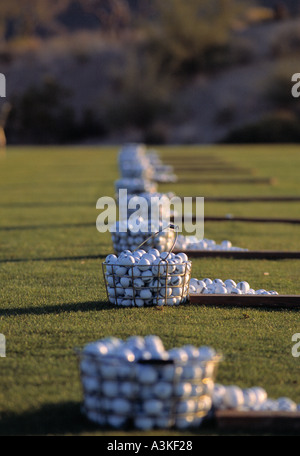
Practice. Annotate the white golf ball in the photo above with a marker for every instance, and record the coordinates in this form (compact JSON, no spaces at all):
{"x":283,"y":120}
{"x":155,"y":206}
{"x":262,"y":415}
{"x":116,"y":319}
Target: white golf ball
{"x":120,"y":271}
{"x":236,"y":291}
{"x":111,"y":259}
{"x":138,"y":283}
{"x":183,"y":389}
{"x":220,"y":289}
{"x":162,"y":390}
{"x":160,"y":302}
{"x":144,"y":423}
{"x":116,"y":421}
{"x":110,"y":388}
{"x":145,"y":294}
{"x":90,"y":384}
{"x":147,"y":375}
{"x":121,"y":406}
{"x":147,"y":276}
{"x":165,"y":292}
{"x":154,"y":252}
{"x":233,"y":397}
{"x":128,"y":389}
{"x":182,"y":256}
{"x":153,"y":407}
{"x":125,"y":282}
{"x":186,"y":406}
{"x":177,"y":291}
{"x":126,"y":261}
{"x":135,"y":272}
{"x":243,"y":286}
{"x":286,"y":404}
{"x":138,"y":302}
{"x":129,"y":292}
{"x":144,"y":264}
{"x":218,"y":395}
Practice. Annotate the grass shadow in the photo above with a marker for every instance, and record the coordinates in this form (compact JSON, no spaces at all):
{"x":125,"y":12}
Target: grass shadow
{"x":57,"y":309}
{"x":41,"y":204}
{"x":46,"y":227}
{"x":262,"y":308}
{"x":60,"y":419}
{"x":66,"y":419}
{"x":71,"y":258}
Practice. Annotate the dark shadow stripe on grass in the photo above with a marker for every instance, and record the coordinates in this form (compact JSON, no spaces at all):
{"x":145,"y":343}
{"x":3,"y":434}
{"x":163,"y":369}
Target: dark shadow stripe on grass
{"x":230,"y":181}
{"x":45,"y":227}
{"x":57,"y":309}
{"x":66,"y":418}
{"x":72,"y":258}
{"x":40,"y":204}
{"x":50,"y":419}
{"x":249,"y":199}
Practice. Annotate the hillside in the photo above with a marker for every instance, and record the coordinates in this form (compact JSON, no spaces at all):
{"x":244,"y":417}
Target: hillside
{"x":72,"y":87}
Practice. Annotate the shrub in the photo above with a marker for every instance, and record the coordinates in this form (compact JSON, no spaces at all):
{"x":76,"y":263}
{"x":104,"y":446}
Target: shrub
{"x":140,"y":97}
{"x":186,"y":35}
{"x":42,"y":115}
{"x":272,"y":129}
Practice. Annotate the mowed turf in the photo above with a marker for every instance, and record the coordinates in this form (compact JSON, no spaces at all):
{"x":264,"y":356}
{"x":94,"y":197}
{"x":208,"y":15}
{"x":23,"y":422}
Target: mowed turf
{"x":52,"y":290}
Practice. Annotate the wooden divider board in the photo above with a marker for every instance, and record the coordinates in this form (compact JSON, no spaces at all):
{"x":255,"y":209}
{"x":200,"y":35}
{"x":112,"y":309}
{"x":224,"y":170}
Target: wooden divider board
{"x":273,"y":301}
{"x":257,"y":420}
{"x":245,"y":219}
{"x":241,"y":255}
{"x":248,"y":199}
{"x":225,"y":180}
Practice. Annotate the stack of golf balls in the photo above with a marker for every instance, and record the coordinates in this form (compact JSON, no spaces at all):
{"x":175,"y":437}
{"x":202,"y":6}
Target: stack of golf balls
{"x":135,"y":186}
{"x":126,"y":236}
{"x":229,"y":286}
{"x":153,"y":205}
{"x":143,"y":278}
{"x":255,"y":398}
{"x":162,"y":173}
{"x":138,"y":382}
{"x":134,"y":163}
{"x":194,"y":243}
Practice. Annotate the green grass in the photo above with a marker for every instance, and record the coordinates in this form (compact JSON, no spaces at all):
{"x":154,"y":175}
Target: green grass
{"x":53,"y":298}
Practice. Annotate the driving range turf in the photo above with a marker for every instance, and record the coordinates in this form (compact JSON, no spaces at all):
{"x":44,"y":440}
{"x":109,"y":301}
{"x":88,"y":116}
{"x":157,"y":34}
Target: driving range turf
{"x":52,"y":290}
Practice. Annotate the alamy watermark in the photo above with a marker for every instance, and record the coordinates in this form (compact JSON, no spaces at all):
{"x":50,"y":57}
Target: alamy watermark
{"x":296,"y":87}
{"x":2,"y":85}
{"x":296,"y":347}
{"x":136,"y":211}
{"x":2,"y":346}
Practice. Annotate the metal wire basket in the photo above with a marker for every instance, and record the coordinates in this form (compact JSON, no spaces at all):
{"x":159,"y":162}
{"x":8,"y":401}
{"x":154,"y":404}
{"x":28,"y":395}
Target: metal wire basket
{"x":162,"y":283}
{"x":146,"y":394}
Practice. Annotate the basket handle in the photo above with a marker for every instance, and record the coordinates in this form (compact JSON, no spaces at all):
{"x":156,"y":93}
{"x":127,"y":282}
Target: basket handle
{"x":171,"y":226}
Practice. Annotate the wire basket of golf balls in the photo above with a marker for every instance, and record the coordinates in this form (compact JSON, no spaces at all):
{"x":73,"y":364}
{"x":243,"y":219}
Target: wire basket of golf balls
{"x":125,"y":236}
{"x":139,"y":278}
{"x":135,"y":383}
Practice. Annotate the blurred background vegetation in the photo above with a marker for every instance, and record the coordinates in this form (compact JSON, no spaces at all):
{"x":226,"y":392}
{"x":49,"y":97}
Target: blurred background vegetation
{"x":172,"y":71}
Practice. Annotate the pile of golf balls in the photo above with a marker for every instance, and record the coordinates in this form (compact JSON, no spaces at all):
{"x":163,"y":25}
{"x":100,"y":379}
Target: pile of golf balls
{"x":217,"y":286}
{"x":194,"y":243}
{"x":135,"y":186}
{"x":127,"y":237}
{"x":152,"y":205}
{"x":143,"y":278}
{"x":134,"y":163}
{"x":138,"y":382}
{"x":162,"y":173}
{"x":255,"y":398}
